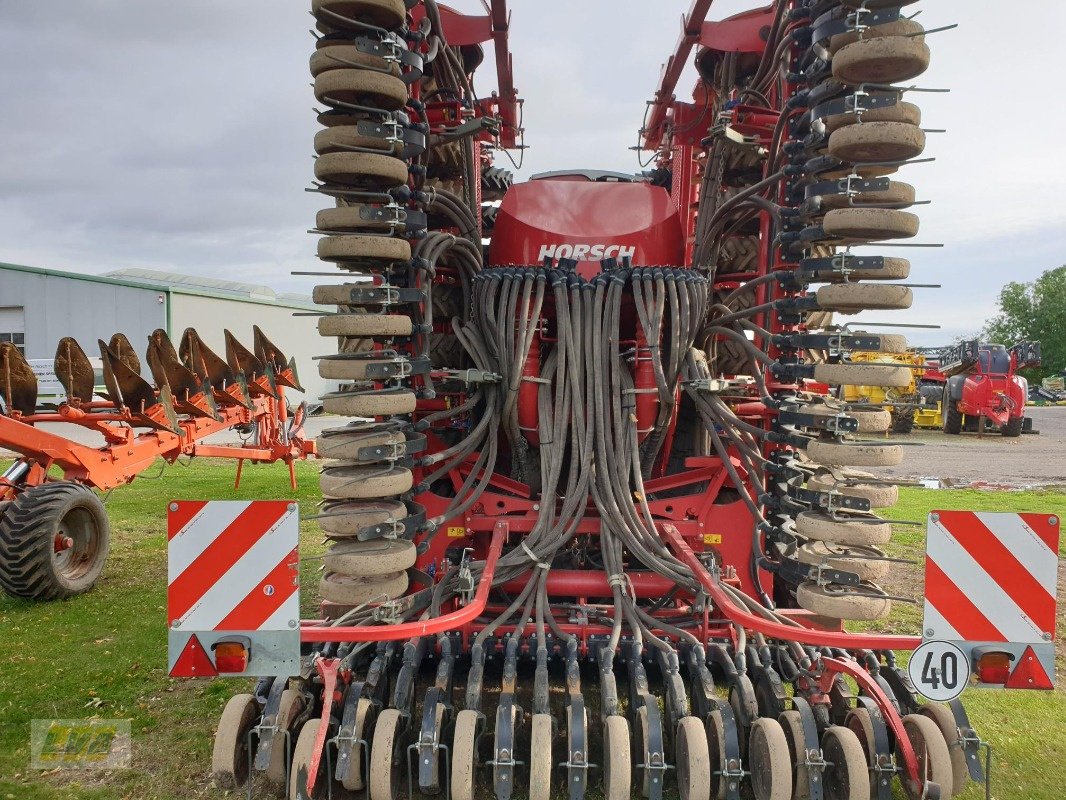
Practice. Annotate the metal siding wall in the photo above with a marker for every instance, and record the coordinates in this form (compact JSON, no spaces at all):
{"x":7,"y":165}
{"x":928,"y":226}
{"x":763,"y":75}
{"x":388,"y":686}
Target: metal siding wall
{"x":296,"y":336}
{"x":57,"y":307}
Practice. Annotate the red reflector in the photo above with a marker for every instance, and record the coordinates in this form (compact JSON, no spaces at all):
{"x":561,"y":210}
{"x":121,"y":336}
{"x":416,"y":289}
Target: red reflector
{"x":231,"y":657}
{"x":994,"y":667}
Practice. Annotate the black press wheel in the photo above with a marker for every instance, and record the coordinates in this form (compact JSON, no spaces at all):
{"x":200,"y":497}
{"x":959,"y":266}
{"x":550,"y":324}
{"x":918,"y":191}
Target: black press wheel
{"x":1013,"y":427}
{"x":54,"y":541}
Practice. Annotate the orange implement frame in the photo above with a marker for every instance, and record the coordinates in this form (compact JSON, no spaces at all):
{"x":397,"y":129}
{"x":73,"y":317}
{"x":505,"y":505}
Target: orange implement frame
{"x":126,"y":453}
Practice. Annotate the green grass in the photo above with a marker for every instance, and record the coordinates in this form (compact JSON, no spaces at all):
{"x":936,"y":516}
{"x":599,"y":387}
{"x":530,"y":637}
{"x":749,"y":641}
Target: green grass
{"x":104,"y":654}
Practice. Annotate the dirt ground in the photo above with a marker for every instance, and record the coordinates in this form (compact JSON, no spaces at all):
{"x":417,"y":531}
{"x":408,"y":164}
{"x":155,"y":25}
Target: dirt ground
{"x":992,"y":460}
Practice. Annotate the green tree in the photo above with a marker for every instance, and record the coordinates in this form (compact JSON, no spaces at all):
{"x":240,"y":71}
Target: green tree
{"x":1035,"y":311}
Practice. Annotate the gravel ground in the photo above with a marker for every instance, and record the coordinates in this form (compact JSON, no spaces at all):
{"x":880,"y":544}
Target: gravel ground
{"x":991,"y":460}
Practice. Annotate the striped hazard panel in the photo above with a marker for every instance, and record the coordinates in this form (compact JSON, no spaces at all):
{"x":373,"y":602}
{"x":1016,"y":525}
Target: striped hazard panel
{"x":232,"y":566}
{"x":991,"y":577}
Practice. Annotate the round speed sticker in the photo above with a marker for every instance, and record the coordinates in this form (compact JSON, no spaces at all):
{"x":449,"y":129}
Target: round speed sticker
{"x":939,"y":671}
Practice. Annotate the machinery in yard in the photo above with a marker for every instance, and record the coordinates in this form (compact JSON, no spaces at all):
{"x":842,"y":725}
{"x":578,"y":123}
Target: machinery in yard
{"x":904,"y":403}
{"x":983,"y":388}
{"x":54,"y":530}
{"x":603,"y":525}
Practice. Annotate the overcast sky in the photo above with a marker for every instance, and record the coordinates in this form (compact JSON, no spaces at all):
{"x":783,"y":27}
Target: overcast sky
{"x":177,"y":135}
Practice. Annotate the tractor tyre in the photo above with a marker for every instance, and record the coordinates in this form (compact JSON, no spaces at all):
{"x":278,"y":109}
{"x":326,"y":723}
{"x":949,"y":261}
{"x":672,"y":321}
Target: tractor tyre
{"x":952,"y":415}
{"x":34,"y":524}
{"x":903,"y":420}
{"x":495,"y":182}
{"x":1013,"y":427}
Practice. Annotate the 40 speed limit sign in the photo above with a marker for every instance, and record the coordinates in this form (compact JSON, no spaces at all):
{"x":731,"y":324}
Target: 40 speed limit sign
{"x":939,"y":671}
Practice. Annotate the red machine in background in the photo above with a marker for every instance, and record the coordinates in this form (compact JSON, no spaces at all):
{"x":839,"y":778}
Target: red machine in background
{"x":982,"y":386}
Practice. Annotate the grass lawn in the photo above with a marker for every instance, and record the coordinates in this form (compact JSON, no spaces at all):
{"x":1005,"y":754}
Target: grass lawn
{"x":104,"y":654}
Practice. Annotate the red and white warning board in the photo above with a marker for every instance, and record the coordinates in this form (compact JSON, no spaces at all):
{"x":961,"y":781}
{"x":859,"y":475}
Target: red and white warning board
{"x":990,"y":584}
{"x":233,"y":588}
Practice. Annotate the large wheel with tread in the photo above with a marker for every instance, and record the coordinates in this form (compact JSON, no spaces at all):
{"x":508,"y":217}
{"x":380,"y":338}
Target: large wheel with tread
{"x":292,"y":703}
{"x":945,"y":720}
{"x":931,"y":750}
{"x":302,"y":755}
{"x":693,"y":760}
{"x":890,"y":375}
{"x":886,"y":59}
{"x":347,"y":590}
{"x":229,"y":757}
{"x":952,"y":417}
{"x":54,"y":541}
{"x":617,"y":769}
{"x":854,"y":454}
{"x":877,"y":142}
{"x":847,"y":777}
{"x":852,"y":531}
{"x":464,"y":755}
{"x":838,"y":602}
{"x":769,"y":761}
{"x":540,"y":758}
{"x":1012,"y":428}
{"x":384,"y":768}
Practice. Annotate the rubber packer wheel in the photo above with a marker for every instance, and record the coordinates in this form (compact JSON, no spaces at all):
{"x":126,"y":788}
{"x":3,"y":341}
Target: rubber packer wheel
{"x":898,"y":193}
{"x":862,"y":560}
{"x":869,"y":225}
{"x":900,"y":112}
{"x":617,"y":770}
{"x":872,"y":420}
{"x":847,"y":777}
{"x":344,"y":134}
{"x":361,"y":169}
{"x":891,"y":375}
{"x":365,"y":325}
{"x":384,"y":766}
{"x":373,"y":250}
{"x":931,"y":750}
{"x":854,"y":454}
{"x":714,"y":726}
{"x":361,"y":87}
{"x":878,"y":495}
{"x":860,"y":723}
{"x":301,"y":763}
{"x":887,"y":59}
{"x":389,"y":14}
{"x":851,"y":298}
{"x":901,"y":27}
{"x":342,"y":520}
{"x":945,"y":721}
{"x":229,"y":757}
{"x":355,"y":780}
{"x":540,"y":758}
{"x":365,"y":482}
{"x":292,"y":703}
{"x":346,"y":443}
{"x":354,"y":369}
{"x":895,"y":269}
{"x":374,"y":403}
{"x":347,"y":56}
{"x":345,"y":590}
{"x":693,"y":760}
{"x":770,"y":761}
{"x":853,"y":531}
{"x":837,"y":602}
{"x":792,"y":725}
{"x":464,"y":755}
{"x":30,"y":529}
{"x":890,"y":342}
{"x":876,"y":142}
{"x":371,"y":559}
{"x":353,"y":218}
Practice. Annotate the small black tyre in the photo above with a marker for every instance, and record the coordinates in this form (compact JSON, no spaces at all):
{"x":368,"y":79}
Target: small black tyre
{"x":1013,"y":427}
{"x":952,"y":415}
{"x":30,"y":565}
{"x":902,"y":420}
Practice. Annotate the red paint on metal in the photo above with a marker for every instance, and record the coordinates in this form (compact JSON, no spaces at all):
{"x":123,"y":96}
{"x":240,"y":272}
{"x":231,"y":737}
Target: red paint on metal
{"x":1042,"y":526}
{"x":958,"y":609}
{"x":180,"y":514}
{"x":266,"y":598}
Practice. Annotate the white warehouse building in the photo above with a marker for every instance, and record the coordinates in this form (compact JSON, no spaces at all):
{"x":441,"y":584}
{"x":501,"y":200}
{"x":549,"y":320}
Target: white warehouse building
{"x":38,"y":307}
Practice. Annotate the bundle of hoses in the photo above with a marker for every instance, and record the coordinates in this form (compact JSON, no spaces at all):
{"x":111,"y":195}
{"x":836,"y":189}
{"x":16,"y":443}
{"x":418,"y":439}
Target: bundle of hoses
{"x":826,"y":188}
